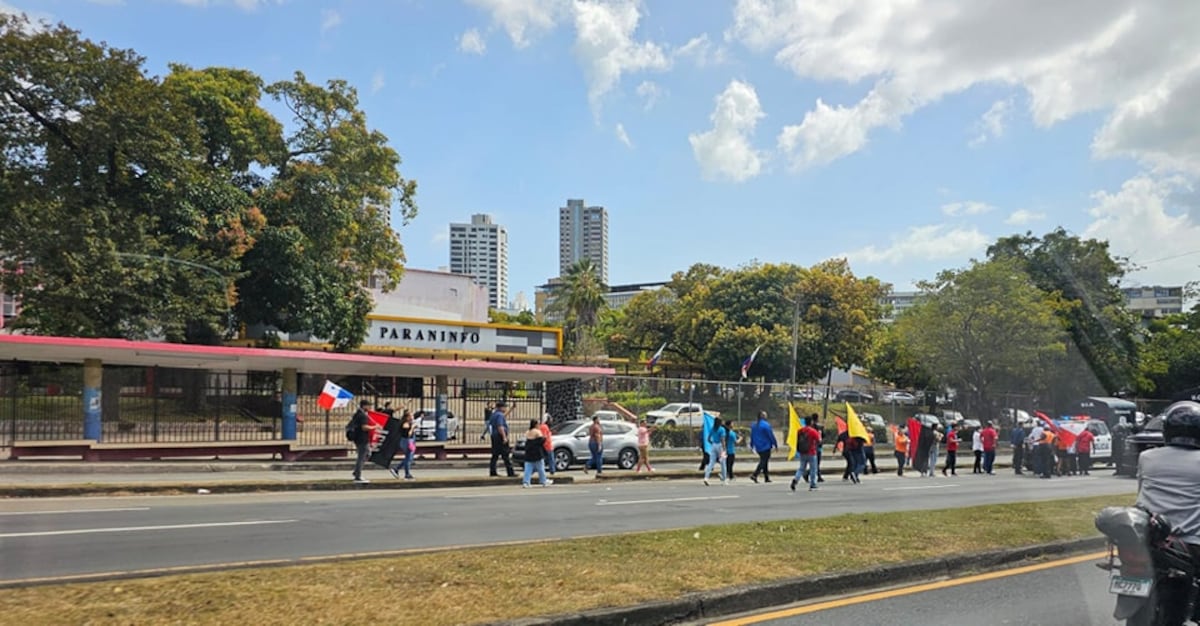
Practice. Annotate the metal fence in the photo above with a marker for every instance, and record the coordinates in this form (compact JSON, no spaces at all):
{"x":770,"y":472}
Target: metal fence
{"x":151,"y":405}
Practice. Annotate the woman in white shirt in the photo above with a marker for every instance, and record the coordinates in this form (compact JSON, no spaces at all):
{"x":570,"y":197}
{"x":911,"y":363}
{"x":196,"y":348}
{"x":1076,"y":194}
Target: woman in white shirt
{"x":977,"y":448}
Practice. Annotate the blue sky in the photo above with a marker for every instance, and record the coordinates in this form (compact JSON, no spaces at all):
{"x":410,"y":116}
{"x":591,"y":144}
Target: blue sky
{"x":904,"y":135}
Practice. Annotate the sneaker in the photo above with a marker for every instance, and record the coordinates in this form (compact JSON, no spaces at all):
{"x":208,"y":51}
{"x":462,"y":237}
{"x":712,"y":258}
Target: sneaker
{"x":361,"y":481}
{"x":410,"y":477}
{"x":754,"y":479}
{"x":548,"y":483}
{"x":651,"y":469}
{"x":812,"y":488}
{"x":524,"y":485}
{"x":724,"y":483}
{"x":793,"y":484}
{"x":705,"y":482}
{"x":394,"y":472}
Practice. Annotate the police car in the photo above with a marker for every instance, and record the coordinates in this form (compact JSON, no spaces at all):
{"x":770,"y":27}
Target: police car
{"x":1101,"y":445}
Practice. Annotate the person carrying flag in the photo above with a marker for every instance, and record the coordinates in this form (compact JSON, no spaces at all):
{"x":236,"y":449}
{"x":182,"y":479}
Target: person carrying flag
{"x":362,"y":426}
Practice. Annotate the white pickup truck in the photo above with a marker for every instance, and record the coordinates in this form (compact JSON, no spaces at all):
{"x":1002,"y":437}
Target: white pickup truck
{"x":679,"y":414}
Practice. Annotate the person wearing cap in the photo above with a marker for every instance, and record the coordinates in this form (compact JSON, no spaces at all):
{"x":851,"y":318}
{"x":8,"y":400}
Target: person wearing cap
{"x":498,"y":427}
{"x":362,"y":439}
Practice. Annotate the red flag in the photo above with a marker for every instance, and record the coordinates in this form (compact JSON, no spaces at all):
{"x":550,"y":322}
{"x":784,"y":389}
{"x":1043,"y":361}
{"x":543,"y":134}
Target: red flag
{"x":380,"y":421}
{"x":914,"y":435}
{"x":1067,"y":436}
{"x":841,"y":428}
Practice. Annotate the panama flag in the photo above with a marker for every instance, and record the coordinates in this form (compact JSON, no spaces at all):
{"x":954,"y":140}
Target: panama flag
{"x":333,"y":397}
{"x":657,"y":355}
{"x":749,"y":361}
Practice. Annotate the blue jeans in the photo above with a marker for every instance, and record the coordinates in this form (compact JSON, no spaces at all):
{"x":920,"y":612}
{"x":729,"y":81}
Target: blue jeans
{"x":860,"y":461}
{"x":597,"y":460}
{"x":933,"y":456}
{"x":714,"y":459}
{"x":549,"y":461}
{"x":530,"y":466}
{"x":989,"y":460}
{"x":809,"y":464}
{"x":408,"y":457}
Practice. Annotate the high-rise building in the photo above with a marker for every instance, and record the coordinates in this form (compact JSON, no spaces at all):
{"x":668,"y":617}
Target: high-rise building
{"x":480,"y":249}
{"x":1154,"y":301}
{"x":583,"y":234}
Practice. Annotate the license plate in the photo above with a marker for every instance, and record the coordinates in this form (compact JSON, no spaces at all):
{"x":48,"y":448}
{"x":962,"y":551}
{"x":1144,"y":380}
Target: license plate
{"x":1129,"y":586}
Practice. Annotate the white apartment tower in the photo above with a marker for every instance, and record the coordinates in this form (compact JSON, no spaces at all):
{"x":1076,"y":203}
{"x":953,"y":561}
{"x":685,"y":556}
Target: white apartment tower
{"x":480,"y":249}
{"x":583,"y":234}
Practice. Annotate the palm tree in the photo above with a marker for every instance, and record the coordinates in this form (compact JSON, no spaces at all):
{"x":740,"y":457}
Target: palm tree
{"x":580,"y":297}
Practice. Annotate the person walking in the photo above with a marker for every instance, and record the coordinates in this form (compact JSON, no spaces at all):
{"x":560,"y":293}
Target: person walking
{"x":1017,"y":439}
{"x":951,"y":451}
{"x":762,"y":442}
{"x":808,"y":443}
{"x":901,"y":451}
{"x":869,"y":452}
{"x":548,"y":445}
{"x":643,"y":440}
{"x":407,"y":446}
{"x":595,"y":446}
{"x":732,"y":438}
{"x":501,"y":450}
{"x":935,"y":436}
{"x":361,"y":427}
{"x":977,"y":449}
{"x":535,"y":456}
{"x":716,"y":450}
{"x":1083,"y":448}
{"x":987,"y":439}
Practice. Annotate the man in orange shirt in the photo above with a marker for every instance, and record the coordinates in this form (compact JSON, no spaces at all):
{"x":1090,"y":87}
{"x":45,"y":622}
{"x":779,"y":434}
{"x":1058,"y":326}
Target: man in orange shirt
{"x":901,"y":451}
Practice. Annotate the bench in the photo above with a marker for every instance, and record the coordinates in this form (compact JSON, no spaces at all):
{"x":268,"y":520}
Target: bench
{"x":90,"y":450}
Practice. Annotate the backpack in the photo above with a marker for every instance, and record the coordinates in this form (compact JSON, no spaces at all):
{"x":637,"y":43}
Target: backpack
{"x":351,"y":430}
{"x":802,"y":442}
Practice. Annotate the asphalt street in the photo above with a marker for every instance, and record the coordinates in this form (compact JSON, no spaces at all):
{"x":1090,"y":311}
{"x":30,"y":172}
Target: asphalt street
{"x":56,"y":537}
{"x":1066,"y":595}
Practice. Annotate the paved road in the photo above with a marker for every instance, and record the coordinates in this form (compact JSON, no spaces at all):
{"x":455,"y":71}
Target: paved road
{"x":50,"y":537}
{"x":1068,"y":595}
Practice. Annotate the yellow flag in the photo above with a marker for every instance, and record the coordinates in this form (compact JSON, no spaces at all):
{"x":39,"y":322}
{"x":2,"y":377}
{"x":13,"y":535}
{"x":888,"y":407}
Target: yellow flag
{"x":853,"y":424}
{"x":793,"y":431}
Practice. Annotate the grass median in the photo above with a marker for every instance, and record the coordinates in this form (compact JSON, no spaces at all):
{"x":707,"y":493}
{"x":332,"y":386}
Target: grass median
{"x":487,"y":584}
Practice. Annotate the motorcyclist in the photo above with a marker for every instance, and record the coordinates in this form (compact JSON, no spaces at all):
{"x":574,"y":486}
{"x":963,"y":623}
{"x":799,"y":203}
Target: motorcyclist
{"x":1169,"y":477}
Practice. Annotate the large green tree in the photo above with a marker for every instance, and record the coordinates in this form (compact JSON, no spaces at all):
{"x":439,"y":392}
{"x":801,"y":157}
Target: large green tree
{"x":136,"y":206}
{"x":1086,"y":277}
{"x":1170,"y":361}
{"x":984,"y":330}
{"x":579,"y":300}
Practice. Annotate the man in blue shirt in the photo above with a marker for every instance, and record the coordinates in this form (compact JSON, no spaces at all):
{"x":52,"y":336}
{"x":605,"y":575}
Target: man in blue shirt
{"x":1017,"y":438}
{"x":498,"y":427}
{"x":762,"y":441}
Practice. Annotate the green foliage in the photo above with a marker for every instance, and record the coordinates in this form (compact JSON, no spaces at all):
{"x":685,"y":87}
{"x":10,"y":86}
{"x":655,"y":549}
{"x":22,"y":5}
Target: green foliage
{"x":985,"y":329}
{"x":524,"y":318}
{"x":674,"y":437}
{"x":578,"y":300}
{"x":1086,"y":278}
{"x":1170,"y":357}
{"x":893,"y":360}
{"x":132,"y":206}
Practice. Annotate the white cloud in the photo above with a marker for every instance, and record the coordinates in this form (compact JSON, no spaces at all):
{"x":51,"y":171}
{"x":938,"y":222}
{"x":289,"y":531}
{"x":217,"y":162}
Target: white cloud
{"x":725,"y":151}
{"x":245,"y":5}
{"x":623,"y":136}
{"x":1141,"y":221}
{"x":991,"y":123}
{"x":700,"y":49}
{"x":377,"y":81}
{"x":956,"y":209}
{"x":440,"y":237}
{"x":1139,"y":59}
{"x":606,"y":48}
{"x":1020,"y":217}
{"x":525,"y":19}
{"x":472,"y":42}
{"x":933,"y":242}
{"x":649,"y":92}
{"x":330,"y":20}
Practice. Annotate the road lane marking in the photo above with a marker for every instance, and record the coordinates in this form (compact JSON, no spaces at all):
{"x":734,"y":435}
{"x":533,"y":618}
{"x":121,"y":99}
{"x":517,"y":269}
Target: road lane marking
{"x":131,"y":529}
{"x":907,"y":591}
{"x":920,"y":487}
{"x":660,"y":500}
{"x":69,"y":511}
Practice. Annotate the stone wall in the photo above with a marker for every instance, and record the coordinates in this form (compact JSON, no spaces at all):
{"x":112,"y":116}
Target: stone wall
{"x":564,"y":400}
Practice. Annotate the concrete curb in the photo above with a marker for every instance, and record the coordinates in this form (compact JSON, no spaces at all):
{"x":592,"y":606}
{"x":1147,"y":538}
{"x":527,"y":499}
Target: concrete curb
{"x":93,"y":489}
{"x":733,"y":600}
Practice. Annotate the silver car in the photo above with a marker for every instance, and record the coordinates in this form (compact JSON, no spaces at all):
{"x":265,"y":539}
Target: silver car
{"x":569,"y":440}
{"x":425,"y":425}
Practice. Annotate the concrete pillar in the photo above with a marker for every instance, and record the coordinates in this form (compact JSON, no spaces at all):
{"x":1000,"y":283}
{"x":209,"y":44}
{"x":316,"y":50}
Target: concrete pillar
{"x":443,"y":394}
{"x":93,"y":377}
{"x":288,"y":398}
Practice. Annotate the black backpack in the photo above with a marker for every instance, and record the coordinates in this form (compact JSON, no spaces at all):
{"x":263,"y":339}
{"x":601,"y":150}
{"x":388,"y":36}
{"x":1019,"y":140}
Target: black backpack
{"x":802,"y":441}
{"x":351,"y":429}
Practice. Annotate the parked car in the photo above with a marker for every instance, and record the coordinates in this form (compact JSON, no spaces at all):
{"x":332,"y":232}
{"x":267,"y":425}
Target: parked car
{"x":812,"y":394}
{"x":899,"y":397}
{"x":679,"y":414}
{"x":928,"y":419}
{"x":425,"y":424}
{"x":569,"y":440}
{"x":854,"y":396}
{"x":608,"y":416}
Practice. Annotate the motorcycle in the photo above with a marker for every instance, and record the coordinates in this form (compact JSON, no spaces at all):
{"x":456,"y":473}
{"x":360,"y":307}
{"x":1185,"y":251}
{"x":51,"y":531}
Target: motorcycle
{"x":1153,"y":573}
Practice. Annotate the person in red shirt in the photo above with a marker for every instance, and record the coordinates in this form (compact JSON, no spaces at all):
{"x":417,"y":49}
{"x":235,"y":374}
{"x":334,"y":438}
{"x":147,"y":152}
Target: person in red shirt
{"x":1083,"y":448}
{"x":988,"y":437}
{"x":808,"y":443}
{"x":951,"y":451}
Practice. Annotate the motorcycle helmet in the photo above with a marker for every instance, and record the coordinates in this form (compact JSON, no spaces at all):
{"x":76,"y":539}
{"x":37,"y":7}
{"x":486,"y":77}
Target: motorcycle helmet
{"x":1181,"y":424}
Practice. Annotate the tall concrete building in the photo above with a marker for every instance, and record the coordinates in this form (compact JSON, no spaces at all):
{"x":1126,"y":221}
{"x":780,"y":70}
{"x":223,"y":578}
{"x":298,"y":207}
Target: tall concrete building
{"x":583,"y":234}
{"x":480,"y":249}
